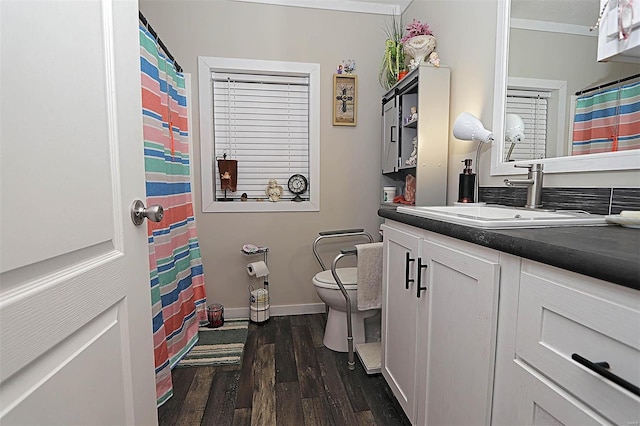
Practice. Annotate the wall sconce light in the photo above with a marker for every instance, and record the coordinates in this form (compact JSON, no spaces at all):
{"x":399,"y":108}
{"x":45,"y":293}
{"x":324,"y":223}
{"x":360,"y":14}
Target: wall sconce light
{"x":468,"y":128}
{"x":514,"y":132}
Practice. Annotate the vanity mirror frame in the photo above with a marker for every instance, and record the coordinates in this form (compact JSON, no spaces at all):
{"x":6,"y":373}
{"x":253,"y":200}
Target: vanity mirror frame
{"x":622,"y":160}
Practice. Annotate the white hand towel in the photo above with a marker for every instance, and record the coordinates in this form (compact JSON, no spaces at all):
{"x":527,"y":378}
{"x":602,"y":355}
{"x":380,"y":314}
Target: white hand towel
{"x":369,"y":276}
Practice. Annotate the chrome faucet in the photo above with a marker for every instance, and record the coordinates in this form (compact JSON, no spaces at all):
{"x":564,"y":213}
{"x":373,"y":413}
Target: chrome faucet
{"x":533,"y":182}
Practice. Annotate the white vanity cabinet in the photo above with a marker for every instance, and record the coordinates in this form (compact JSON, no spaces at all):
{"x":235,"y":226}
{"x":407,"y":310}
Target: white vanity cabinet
{"x":475,"y":336}
{"x":562,"y":314}
{"x":610,"y":46}
{"x":439,"y":320}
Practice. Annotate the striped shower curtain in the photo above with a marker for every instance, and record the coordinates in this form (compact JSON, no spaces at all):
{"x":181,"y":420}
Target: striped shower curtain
{"x":177,"y":281}
{"x":607,"y":121}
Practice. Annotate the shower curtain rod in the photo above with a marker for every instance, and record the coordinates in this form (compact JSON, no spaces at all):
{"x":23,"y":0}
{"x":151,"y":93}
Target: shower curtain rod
{"x":155,"y":35}
{"x":612,"y":83}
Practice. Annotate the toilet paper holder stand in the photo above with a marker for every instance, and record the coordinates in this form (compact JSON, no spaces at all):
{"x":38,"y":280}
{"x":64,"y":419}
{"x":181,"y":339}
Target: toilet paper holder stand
{"x":259,"y":299}
{"x":250,"y":250}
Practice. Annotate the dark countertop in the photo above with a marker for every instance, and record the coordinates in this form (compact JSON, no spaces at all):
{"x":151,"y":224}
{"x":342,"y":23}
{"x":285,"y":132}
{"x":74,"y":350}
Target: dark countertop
{"x":610,"y":253}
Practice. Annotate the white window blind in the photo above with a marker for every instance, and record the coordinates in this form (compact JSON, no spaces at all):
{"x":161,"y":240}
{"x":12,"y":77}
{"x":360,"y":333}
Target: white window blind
{"x":262,"y":121}
{"x":532,"y":107}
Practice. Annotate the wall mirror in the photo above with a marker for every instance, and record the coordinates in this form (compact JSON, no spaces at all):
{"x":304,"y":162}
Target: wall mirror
{"x":547,"y":46}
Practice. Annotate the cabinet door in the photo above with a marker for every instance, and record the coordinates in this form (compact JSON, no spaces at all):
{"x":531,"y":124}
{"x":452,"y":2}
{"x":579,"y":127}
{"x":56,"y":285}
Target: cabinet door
{"x":610,"y":46}
{"x":399,"y":316}
{"x":390,"y":148}
{"x":538,"y":401}
{"x":456,"y":361}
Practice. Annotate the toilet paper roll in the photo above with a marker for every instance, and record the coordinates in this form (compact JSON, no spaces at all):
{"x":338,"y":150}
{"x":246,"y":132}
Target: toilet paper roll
{"x":258,"y":269}
{"x":260,"y":296}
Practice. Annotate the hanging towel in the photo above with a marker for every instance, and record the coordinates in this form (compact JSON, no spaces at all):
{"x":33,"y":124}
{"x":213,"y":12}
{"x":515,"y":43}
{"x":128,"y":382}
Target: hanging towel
{"x":369,"y":276}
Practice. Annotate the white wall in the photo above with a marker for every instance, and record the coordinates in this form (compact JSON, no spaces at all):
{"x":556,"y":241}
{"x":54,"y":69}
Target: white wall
{"x":557,"y":56}
{"x":350,"y":156}
{"x":465,"y":32}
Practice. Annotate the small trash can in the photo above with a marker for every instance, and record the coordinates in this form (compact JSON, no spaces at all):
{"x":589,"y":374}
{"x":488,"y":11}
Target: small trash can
{"x":215,"y":315}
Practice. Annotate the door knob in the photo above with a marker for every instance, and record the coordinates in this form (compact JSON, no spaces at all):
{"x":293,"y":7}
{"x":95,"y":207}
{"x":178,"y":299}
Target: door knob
{"x":139,"y":212}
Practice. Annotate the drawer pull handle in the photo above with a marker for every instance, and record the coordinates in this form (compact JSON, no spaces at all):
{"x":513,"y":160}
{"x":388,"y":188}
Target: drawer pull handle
{"x":420,"y":288}
{"x":406,"y":271}
{"x":601,"y":369}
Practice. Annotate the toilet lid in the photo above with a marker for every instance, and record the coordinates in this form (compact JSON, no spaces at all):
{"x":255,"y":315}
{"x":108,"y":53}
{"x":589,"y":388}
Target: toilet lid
{"x":348,"y":276}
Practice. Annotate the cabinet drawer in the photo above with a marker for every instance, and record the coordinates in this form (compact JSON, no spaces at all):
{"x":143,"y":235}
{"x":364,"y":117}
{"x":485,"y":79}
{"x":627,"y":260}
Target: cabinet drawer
{"x":538,"y":401}
{"x":557,"y":319}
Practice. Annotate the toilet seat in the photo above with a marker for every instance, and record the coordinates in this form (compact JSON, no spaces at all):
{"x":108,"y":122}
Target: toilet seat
{"x":348,"y":276}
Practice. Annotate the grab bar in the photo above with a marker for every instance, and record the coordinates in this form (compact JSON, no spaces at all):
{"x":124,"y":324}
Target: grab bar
{"x":337,"y":233}
{"x":344,"y":253}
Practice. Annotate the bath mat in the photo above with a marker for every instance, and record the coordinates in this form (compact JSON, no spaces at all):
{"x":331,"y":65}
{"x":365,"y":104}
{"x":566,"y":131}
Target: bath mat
{"x":218,"y":346}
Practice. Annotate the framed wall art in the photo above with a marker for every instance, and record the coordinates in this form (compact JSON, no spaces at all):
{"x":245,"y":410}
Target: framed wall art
{"x":344,"y":99}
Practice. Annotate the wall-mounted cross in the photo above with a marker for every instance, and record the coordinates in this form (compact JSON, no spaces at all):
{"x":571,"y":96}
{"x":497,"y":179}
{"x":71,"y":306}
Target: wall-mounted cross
{"x":344,"y":98}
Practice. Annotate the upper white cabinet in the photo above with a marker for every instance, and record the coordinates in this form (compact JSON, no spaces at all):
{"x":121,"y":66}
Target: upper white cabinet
{"x":619,"y":16}
{"x":426,"y":91}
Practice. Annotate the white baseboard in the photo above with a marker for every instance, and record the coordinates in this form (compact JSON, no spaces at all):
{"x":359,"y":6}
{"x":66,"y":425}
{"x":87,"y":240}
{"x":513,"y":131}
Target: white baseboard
{"x":278,"y":310}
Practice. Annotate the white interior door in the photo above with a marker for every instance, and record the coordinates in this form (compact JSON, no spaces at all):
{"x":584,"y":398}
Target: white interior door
{"x":75,"y":316}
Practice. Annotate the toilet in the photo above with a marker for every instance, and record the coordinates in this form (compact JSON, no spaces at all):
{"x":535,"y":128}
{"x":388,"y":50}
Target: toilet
{"x":335,"y":332}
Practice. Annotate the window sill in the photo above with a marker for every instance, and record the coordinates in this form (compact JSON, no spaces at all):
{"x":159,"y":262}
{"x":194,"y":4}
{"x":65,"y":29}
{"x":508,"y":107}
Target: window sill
{"x":260,"y":206}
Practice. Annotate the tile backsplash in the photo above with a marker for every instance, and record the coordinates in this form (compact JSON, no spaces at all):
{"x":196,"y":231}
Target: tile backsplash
{"x":593,"y":200}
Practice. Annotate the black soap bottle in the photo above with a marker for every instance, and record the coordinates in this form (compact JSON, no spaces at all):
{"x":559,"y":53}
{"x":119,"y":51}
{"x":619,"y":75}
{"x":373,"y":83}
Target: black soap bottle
{"x":467,"y":183}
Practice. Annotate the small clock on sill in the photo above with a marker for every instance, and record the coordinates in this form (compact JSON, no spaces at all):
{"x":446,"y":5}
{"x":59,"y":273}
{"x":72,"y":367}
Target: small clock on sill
{"x":297,"y":185}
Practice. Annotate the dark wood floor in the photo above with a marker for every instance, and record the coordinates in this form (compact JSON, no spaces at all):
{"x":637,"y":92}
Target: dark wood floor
{"x":287,"y":377}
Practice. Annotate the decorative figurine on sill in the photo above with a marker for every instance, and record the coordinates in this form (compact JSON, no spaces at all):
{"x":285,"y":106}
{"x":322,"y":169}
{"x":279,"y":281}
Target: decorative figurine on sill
{"x":244,"y":197}
{"x":273,"y":191}
{"x":414,"y":113}
{"x":413,"y":160}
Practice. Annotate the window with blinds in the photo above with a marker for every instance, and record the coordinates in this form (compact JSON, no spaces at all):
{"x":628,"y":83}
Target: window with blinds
{"x":265,"y":116}
{"x":262,"y":121}
{"x":532,"y":107}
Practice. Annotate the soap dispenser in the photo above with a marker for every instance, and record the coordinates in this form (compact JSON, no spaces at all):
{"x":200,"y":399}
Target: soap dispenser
{"x":467,"y":183}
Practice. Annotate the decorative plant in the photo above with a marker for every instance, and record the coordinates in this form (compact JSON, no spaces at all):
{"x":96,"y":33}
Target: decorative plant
{"x":416,"y":28}
{"x":393,"y":59}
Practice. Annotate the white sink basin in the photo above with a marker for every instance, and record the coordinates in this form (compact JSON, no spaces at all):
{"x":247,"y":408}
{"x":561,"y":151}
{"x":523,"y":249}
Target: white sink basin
{"x":501,"y":217}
